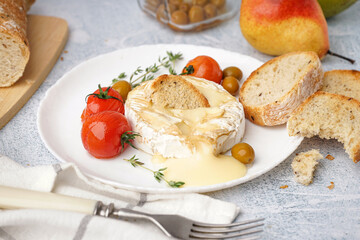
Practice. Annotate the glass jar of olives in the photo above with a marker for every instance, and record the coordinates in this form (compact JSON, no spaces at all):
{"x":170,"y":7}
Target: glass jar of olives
{"x":190,"y":15}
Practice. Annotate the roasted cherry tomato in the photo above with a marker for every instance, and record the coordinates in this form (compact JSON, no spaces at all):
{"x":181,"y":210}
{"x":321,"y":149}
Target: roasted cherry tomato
{"x":101,"y":100}
{"x":204,"y":67}
{"x":243,"y":152}
{"x":106,"y":134}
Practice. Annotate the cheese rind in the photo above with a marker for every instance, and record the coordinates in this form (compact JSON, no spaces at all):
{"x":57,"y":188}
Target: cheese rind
{"x":174,"y":132}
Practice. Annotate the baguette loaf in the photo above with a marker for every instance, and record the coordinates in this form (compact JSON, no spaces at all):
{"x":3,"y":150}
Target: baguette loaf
{"x":343,"y":82}
{"x":14,"y":46}
{"x":329,"y":115}
{"x":277,"y":88}
{"x":173,"y":91}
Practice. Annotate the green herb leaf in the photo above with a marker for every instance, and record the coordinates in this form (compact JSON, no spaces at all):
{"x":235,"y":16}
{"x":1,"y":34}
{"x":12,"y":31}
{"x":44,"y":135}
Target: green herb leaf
{"x":175,"y":184}
{"x":188,"y":70}
{"x":128,"y":137}
{"x":158,"y":175}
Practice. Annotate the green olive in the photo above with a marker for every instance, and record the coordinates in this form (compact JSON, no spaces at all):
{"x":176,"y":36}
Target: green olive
{"x":172,"y":8}
{"x":243,"y":152}
{"x":176,"y":2}
{"x":199,"y":2}
{"x":218,"y":3}
{"x":179,"y":17}
{"x":230,"y":84}
{"x":184,"y":7}
{"x":210,"y":10}
{"x":123,"y":87}
{"x":234,"y":72}
{"x":196,"y":14}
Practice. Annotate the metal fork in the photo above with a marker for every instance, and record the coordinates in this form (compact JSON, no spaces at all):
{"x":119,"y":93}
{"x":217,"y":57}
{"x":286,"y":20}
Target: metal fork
{"x":172,"y":225}
{"x":183,"y":228}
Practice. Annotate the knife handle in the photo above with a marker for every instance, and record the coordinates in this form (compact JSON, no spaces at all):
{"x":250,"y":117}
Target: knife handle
{"x":15,"y":198}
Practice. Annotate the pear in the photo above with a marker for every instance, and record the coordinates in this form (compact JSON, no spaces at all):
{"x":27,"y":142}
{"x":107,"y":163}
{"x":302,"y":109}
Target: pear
{"x":276,"y":27}
{"x":333,"y":7}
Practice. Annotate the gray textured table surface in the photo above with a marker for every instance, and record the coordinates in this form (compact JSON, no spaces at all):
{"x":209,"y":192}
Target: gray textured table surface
{"x":297,"y":212}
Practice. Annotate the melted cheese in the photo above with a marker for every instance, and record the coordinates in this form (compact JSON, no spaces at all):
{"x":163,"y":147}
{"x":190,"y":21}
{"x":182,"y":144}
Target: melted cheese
{"x":202,"y":168}
{"x":189,"y":141}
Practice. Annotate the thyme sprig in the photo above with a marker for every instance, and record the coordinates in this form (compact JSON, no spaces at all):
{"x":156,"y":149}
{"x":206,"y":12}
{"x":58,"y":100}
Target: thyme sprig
{"x":141,"y":75}
{"x":158,"y":175}
{"x":121,"y":76}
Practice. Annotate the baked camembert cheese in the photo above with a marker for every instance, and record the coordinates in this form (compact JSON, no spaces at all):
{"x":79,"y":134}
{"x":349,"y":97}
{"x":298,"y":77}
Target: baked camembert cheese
{"x":186,"y":123}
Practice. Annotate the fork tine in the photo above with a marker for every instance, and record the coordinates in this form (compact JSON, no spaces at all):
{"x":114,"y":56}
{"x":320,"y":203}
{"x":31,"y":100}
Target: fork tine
{"x":200,"y":224}
{"x":222,"y":236}
{"x":227,"y":230}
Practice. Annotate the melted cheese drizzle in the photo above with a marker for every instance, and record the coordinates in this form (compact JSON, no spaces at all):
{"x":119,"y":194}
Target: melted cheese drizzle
{"x":203,"y":168}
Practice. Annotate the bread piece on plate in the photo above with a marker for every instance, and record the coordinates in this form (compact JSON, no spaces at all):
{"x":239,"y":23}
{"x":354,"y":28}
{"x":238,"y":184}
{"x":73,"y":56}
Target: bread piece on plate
{"x":14,"y":46}
{"x":173,"y":91}
{"x":329,"y":115}
{"x":343,"y":82}
{"x":273,"y":91}
{"x":304,"y":165}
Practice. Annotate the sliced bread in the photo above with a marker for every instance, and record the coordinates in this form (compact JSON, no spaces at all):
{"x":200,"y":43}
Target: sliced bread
{"x":273,"y":91}
{"x":329,"y":115}
{"x":304,"y":165}
{"x":173,"y":91}
{"x":14,"y":46}
{"x":343,"y":82}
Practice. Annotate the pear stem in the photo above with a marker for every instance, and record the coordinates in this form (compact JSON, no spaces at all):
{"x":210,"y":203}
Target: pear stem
{"x":340,"y":56}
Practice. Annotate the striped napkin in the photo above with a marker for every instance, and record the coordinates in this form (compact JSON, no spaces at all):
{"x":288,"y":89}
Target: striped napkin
{"x":68,"y":180}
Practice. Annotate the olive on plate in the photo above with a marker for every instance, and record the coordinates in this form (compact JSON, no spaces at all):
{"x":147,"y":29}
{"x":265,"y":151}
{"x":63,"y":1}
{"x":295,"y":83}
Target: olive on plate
{"x":243,"y":152}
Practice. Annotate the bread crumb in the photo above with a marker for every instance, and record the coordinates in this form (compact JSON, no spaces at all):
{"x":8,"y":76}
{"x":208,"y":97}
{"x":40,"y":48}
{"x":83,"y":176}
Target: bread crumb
{"x":284,"y":186}
{"x":332,"y":185}
{"x":329,"y":157}
{"x":62,"y":58}
{"x":304,"y":164}
{"x":66,"y":51}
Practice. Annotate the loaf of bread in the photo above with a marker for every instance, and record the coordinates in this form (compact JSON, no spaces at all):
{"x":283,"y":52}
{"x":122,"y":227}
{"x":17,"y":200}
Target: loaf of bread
{"x":273,"y":91}
{"x":14,"y":46}
{"x":173,"y":91}
{"x":304,"y":165}
{"x":329,"y":115}
{"x":343,"y":82}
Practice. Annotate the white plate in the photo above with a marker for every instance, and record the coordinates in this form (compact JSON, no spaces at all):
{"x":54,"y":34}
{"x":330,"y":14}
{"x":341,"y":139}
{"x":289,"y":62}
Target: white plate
{"x":59,"y":121}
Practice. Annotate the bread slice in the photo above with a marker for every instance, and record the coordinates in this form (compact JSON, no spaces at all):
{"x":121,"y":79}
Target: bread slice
{"x":173,"y":91}
{"x":329,"y":115}
{"x":343,"y":82}
{"x":304,"y":165}
{"x":14,"y":46}
{"x":278,"y":87}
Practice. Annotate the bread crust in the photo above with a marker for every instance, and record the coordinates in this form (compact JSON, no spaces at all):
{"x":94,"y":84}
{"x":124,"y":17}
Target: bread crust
{"x":353,"y":152}
{"x":13,"y":23}
{"x":278,"y":112}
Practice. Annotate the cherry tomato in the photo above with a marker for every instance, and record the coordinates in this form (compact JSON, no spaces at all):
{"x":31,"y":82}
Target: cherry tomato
{"x":243,"y":152}
{"x":101,"y":100}
{"x":106,"y":134}
{"x":204,"y":67}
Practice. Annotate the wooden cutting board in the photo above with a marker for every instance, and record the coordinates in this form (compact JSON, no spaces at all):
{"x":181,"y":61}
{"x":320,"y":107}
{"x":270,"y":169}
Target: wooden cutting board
{"x":47,"y":37}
